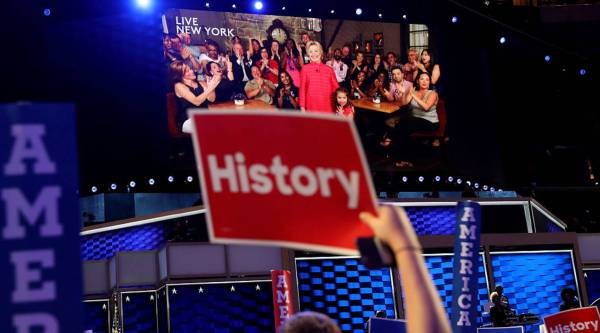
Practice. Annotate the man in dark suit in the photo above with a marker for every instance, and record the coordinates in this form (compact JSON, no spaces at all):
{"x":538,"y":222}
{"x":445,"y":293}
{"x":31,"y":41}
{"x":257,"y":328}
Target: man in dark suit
{"x":241,"y":68}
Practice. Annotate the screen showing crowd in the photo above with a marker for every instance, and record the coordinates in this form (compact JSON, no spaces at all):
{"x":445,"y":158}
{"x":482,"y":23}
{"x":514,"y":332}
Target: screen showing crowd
{"x":219,"y":60}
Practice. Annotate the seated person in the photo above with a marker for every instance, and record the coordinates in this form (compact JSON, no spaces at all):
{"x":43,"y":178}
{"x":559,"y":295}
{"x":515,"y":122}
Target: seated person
{"x":190,"y":93}
{"x":240,"y":67}
{"x":399,"y":87}
{"x":497,"y":313}
{"x":226,"y":86}
{"x":269,"y":68}
{"x":259,"y":88}
{"x":359,"y":86}
{"x":287,"y":93}
{"x":377,"y":87}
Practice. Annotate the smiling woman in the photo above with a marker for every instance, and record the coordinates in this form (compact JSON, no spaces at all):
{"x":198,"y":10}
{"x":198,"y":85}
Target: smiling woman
{"x":317,"y":82}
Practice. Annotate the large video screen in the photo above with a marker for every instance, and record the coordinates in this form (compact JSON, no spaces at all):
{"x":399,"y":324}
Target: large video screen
{"x":355,"y":69}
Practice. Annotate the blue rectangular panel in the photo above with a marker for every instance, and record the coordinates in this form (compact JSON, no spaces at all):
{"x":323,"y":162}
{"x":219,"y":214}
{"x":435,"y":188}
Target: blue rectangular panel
{"x":532,"y":281}
{"x":440,"y":267}
{"x":139,"y":312}
{"x":345,"y":290}
{"x":381,"y":325}
{"x":221,"y":308}
{"x":432,"y":220}
{"x":592,"y":282}
{"x":104,"y":245}
{"x":96,"y":316}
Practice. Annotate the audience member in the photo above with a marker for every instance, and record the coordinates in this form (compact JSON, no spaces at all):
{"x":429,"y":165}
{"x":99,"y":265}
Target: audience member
{"x":212,"y":55}
{"x":427,"y":64}
{"x":291,"y":61}
{"x":569,"y":298}
{"x":497,"y":312}
{"x":254,"y":50}
{"x":377,"y":88}
{"x":189,"y":92}
{"x":274,"y":53}
{"x":226,"y":86}
{"x":343,"y":106}
{"x":339,"y":67}
{"x":287,"y":93}
{"x":240,"y":67}
{"x":347,"y":55}
{"x":410,"y":68}
{"x":309,"y":322}
{"x":359,"y":86}
{"x":186,"y":41}
{"x":358,"y":65}
{"x":317,"y":82}
{"x":269,"y":68}
{"x":398,"y":87}
{"x":259,"y":88}
{"x":305,"y":38}
{"x":378,"y":66}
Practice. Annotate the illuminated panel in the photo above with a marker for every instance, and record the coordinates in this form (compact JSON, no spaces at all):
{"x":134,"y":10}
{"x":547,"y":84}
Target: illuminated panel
{"x":345,"y":290}
{"x":96,"y":316}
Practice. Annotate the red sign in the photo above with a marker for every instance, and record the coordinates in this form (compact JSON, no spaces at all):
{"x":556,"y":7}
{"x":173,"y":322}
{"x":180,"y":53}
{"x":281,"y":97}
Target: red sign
{"x":281,"y":178}
{"x":582,"y":320}
{"x":282,"y":291}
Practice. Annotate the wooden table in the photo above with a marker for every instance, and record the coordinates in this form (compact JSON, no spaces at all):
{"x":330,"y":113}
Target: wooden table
{"x":367,"y":104}
{"x":250,"y":104}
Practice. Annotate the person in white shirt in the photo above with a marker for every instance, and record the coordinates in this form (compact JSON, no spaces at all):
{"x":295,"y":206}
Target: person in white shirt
{"x":339,"y":67}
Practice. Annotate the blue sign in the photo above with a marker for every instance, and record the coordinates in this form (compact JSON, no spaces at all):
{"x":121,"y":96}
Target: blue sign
{"x":40,"y":265}
{"x":384,"y":325}
{"x":466,"y":263}
{"x":513,"y":329}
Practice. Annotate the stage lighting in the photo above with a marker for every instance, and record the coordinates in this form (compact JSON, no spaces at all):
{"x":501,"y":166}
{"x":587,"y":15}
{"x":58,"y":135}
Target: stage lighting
{"x":492,"y":189}
{"x":404,"y":179}
{"x":94,"y":189}
{"x":421,"y":179}
{"x":258,"y":5}
{"x":332,"y":11}
{"x":190,"y":179}
{"x":454,"y":19}
{"x":358,"y":11}
{"x":485,"y":187}
{"x":233,"y":6}
{"x":113,"y":186}
{"x":380,"y":15}
{"x":132,"y":184}
{"x":310,"y":10}
{"x":502,"y":40}
{"x":283,"y":8}
{"x":459,"y":181}
{"x":171,"y":179}
{"x":547,"y":58}
{"x":47,"y":12}
{"x":404,"y":16}
{"x":438,"y":178}
{"x":476,"y":185}
{"x":582,"y":72}
{"x":468,"y":182}
{"x":143,"y":3}
{"x":151,"y":181}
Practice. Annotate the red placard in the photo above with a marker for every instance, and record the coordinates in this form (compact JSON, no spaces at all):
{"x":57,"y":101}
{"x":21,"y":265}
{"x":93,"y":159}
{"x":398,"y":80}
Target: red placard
{"x":582,"y":320}
{"x":281,"y":282}
{"x":280,"y":178}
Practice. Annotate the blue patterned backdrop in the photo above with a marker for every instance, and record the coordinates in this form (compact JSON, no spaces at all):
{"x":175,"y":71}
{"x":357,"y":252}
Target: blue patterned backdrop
{"x":96,"y":316}
{"x":441,"y":267}
{"x":104,"y":245}
{"x":345,"y":290}
{"x":139,"y":312}
{"x":432,"y":220}
{"x":532,"y":281}
{"x":592,"y":282}
{"x":216,"y":308}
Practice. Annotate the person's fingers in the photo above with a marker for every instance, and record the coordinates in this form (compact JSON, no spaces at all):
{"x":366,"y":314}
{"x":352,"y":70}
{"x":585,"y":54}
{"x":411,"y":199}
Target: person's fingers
{"x":368,"y":219}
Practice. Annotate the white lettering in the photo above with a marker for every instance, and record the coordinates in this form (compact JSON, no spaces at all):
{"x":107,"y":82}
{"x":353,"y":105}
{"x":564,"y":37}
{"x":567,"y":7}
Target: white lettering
{"x":283,"y":311}
{"x":46,"y":203}
{"x":303,"y":172}
{"x":260,"y":182}
{"x":230,"y":32}
{"x":281,"y":281}
{"x":280,"y":171}
{"x":28,"y":145}
{"x":282,"y":297}
{"x":467,"y":232}
{"x":465,"y":266}
{"x":468,"y":215}
{"x":465,"y":288}
{"x":243,"y":175}
{"x":349,"y":185}
{"x":24,"y":323}
{"x":465,"y":249}
{"x":228,"y":173}
{"x":324,"y":176}
{"x":461,"y":301}
{"x":463,"y":320}
{"x":25,"y":276}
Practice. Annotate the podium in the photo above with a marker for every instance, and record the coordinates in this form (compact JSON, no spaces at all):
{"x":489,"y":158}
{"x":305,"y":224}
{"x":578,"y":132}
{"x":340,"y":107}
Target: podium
{"x":385,"y":325}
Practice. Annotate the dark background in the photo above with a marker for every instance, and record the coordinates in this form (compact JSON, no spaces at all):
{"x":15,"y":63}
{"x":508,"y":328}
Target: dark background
{"x":514,"y":119}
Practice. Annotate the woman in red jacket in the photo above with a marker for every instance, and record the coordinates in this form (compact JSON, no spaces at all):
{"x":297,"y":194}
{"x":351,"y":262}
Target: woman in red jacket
{"x":317,"y":82}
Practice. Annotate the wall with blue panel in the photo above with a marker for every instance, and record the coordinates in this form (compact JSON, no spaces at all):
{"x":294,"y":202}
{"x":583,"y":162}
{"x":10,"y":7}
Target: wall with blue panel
{"x":532,"y":281}
{"x":139,"y":312}
{"x":592,"y":282}
{"x":345,"y":290}
{"x":96,"y":316}
{"x":104,"y":245}
{"x":221,"y":307}
{"x":441,"y":267}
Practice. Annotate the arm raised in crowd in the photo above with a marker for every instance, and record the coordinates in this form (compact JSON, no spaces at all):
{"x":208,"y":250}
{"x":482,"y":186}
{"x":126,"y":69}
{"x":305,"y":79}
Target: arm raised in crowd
{"x":184,"y":92}
{"x":424,"y":311}
{"x":429,"y":101}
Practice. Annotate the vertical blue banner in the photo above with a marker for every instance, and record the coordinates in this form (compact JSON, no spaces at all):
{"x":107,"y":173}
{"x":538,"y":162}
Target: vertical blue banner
{"x":40,"y":265}
{"x":466,"y":254}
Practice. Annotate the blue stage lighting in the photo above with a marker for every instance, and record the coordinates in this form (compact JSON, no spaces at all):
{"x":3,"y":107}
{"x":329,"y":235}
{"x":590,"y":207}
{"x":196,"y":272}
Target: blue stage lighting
{"x":47,"y":12}
{"x":438,"y":178}
{"x":190,"y":179}
{"x":332,"y":11}
{"x":132,"y":184}
{"x":233,"y":6}
{"x":582,"y":72}
{"x":421,"y":179}
{"x":113,"y":186}
{"x":358,"y":11}
{"x":143,"y":3}
{"x":502,"y":40}
{"x":404,"y":179}
{"x":94,"y":189}
{"x":207,"y":5}
{"x":450,"y":179}
{"x":151,"y":181}
{"x":459,"y":181}
{"x":547,"y":58}
{"x":171,"y":179}
{"x":454,"y":19}
{"x":258,"y":5}
{"x":283,"y":8}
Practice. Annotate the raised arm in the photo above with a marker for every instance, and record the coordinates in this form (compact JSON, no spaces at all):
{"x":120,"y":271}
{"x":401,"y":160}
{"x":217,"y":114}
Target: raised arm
{"x":424,"y":312}
{"x":428,"y":103}
{"x":435,"y":74}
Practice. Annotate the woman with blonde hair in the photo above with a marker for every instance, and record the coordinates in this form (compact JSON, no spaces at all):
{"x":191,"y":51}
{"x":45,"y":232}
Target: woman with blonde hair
{"x":317,"y":82}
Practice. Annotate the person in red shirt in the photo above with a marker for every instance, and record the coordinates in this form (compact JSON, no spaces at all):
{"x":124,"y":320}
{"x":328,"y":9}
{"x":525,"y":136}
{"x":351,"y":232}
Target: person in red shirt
{"x":343,"y":106}
{"x":317,"y":82}
{"x":268,"y":67}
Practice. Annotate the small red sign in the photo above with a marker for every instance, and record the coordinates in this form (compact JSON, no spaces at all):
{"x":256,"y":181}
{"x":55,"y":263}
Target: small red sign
{"x":281,"y":178}
{"x":582,"y":320}
{"x":281,"y":281}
